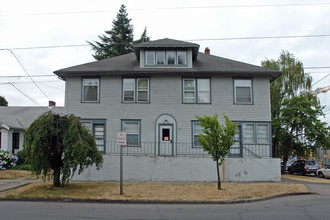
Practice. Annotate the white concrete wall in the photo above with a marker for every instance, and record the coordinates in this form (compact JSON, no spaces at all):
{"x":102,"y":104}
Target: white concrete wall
{"x":167,"y":169}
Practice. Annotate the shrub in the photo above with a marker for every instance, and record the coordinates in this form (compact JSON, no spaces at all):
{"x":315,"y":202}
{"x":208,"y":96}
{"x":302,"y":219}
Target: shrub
{"x":22,"y":167}
{"x":7,"y":160}
{"x":21,"y":155}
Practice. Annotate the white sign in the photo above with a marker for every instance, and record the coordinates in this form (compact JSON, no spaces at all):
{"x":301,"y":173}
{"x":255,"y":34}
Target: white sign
{"x":121,"y":138}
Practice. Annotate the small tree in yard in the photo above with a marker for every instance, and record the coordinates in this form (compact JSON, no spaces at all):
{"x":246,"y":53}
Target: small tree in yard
{"x":62,"y":145}
{"x":217,"y":139}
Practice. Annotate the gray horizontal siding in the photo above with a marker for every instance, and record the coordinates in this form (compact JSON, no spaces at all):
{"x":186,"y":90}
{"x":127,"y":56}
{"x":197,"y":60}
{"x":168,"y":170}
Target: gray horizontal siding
{"x":166,"y":98}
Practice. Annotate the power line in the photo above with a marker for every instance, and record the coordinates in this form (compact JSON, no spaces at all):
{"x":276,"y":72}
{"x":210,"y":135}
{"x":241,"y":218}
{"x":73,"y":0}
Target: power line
{"x":17,"y":76}
{"x":24,"y":94}
{"x":321,"y":79}
{"x":26,"y":72}
{"x":209,"y":39}
{"x":170,"y":8}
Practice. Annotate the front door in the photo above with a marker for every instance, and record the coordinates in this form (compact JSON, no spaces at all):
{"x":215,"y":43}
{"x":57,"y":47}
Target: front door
{"x":165,"y":140}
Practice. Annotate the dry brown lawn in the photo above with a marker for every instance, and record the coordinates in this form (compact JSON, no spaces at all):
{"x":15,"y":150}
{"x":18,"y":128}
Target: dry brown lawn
{"x":311,"y":179}
{"x":156,"y":192}
{"x":14,"y":174}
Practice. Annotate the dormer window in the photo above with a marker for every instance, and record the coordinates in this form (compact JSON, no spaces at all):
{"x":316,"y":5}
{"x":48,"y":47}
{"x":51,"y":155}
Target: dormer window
{"x":165,"y":58}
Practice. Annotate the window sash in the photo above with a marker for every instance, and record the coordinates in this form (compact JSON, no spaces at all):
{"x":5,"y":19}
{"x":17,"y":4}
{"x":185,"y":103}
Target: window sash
{"x":262,"y":134}
{"x":160,"y":57}
{"x":203,"y":90}
{"x":189,"y":91}
{"x":132,"y":129}
{"x":143,"y":90}
{"x":90,"y":90}
{"x":182,"y":58}
{"x":248,"y":133}
{"x":243,"y":90}
{"x":171,"y":57}
{"x":150,"y":57}
{"x":129,"y":90}
{"x":197,"y":131}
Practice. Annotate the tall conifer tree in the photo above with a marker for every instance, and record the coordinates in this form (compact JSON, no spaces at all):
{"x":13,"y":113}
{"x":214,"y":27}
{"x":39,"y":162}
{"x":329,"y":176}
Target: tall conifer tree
{"x":119,"y":40}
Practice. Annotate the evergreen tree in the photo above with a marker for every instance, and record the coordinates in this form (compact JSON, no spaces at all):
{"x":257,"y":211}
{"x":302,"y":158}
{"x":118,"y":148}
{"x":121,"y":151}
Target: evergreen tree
{"x":3,"y":101}
{"x":119,"y":40}
{"x":144,"y":37}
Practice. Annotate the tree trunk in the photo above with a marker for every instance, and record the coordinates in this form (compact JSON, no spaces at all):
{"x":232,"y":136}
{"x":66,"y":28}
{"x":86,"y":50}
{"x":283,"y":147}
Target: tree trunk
{"x":219,"y":180}
{"x":57,"y":175}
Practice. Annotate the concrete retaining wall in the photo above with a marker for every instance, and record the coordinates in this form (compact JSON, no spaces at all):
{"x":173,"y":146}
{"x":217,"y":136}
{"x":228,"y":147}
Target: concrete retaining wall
{"x":167,"y":169}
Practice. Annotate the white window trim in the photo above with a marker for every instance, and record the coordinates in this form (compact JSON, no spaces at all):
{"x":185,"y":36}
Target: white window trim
{"x":196,"y":92}
{"x":267,"y":133}
{"x":129,"y":90}
{"x":251,"y":95}
{"x":83,"y":89}
{"x":123,"y":121}
{"x":137,"y":89}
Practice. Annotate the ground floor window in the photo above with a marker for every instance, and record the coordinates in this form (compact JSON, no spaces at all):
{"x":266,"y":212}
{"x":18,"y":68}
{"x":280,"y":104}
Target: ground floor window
{"x":196,"y":132}
{"x":97,"y":127}
{"x":133,"y":132}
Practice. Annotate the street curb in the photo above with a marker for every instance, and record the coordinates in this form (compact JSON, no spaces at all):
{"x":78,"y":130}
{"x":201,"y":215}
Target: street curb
{"x":154,"y":201}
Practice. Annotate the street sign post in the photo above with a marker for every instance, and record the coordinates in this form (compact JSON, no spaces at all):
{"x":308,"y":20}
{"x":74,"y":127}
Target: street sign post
{"x":121,"y":141}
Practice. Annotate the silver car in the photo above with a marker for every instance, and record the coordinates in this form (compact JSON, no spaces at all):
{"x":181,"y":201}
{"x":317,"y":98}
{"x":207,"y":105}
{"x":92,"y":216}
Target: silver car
{"x":324,"y":172}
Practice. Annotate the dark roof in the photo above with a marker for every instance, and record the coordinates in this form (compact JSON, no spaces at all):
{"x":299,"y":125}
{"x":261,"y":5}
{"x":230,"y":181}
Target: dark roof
{"x":22,"y":117}
{"x":128,"y":65}
{"x":165,"y":44}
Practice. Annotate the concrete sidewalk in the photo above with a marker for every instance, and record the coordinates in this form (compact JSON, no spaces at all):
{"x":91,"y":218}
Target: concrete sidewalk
{"x":7,"y":184}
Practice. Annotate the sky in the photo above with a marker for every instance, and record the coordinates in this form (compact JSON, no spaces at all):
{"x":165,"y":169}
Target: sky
{"x":38,"y":37}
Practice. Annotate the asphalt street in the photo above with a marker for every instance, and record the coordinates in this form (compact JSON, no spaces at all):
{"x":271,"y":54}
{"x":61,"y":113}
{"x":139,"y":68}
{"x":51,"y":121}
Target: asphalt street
{"x":310,"y":206}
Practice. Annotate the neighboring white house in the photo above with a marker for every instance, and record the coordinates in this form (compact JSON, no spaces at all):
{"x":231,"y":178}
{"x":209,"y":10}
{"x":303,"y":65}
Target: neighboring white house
{"x":154,"y":95}
{"x":15,"y":120}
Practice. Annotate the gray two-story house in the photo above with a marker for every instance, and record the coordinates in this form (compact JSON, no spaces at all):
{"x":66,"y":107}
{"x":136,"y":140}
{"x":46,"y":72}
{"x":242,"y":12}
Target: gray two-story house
{"x":154,"y":95}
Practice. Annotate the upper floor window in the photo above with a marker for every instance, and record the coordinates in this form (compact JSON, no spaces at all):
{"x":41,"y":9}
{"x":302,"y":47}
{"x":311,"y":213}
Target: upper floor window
{"x":165,"y":58}
{"x":135,"y":90}
{"x":243,"y":91}
{"x":90,"y":89}
{"x":196,"y":90}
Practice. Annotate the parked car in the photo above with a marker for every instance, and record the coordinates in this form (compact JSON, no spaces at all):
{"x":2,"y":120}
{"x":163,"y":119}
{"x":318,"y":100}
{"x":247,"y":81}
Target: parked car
{"x":287,"y":166}
{"x":324,"y":172}
{"x":303,"y":167}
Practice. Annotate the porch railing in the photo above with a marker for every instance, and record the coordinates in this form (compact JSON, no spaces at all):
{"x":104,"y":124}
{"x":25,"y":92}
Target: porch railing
{"x":180,"y":149}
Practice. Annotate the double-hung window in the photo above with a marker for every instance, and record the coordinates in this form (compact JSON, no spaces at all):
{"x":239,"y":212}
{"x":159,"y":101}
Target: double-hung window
{"x":243,"y":91}
{"x":262,"y":134}
{"x":90,"y":90}
{"x":248,"y":133}
{"x":150,"y":57}
{"x":97,"y":128}
{"x":196,"y":132}
{"x":256,"y":133}
{"x":135,"y":90}
{"x":196,"y":90}
{"x":132,"y":129}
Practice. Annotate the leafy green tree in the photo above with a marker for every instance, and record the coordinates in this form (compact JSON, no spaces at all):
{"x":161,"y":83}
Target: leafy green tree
{"x":291,"y":83}
{"x":3,"y":101}
{"x":62,"y":145}
{"x":299,"y":127}
{"x":144,"y":37}
{"x":119,"y":40}
{"x":217,"y":139}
